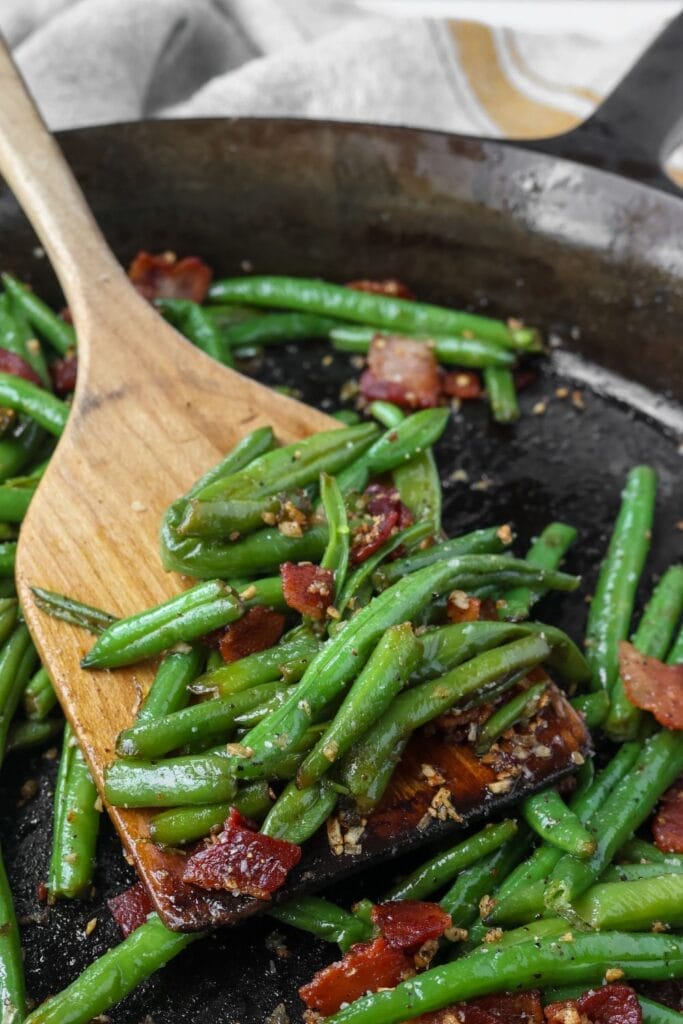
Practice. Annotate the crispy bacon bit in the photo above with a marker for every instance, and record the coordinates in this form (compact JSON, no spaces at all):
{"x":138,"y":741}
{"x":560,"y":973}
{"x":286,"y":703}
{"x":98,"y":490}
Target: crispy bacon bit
{"x":463,"y":608}
{"x":520,"y":1008}
{"x":610,"y":1004}
{"x":667,"y":828}
{"x":366,"y":967}
{"x":386,"y":514}
{"x":403,"y":371}
{"x":63,"y":373}
{"x":407,"y":924}
{"x":307,"y":588}
{"x":243,"y":861}
{"x":10,"y":362}
{"x":257,"y":630}
{"x":164,"y":276}
{"x":391,"y":287}
{"x":463,"y":384}
{"x":131,"y":908}
{"x":652,"y":686}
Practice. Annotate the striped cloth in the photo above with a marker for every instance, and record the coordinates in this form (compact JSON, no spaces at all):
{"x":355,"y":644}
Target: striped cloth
{"x":95,"y":61}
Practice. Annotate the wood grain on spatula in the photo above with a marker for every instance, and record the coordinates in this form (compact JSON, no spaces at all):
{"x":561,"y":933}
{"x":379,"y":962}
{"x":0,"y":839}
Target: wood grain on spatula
{"x":150,"y":414}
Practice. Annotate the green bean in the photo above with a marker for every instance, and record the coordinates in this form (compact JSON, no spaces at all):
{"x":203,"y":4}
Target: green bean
{"x":675,"y":656}
{"x":441,"y":869}
{"x":8,"y":616}
{"x":426,"y":701}
{"x":211,"y":720}
{"x":180,"y":619}
{"x":27,"y":735}
{"x":181,"y":825}
{"x":336,"y":554}
{"x":593,"y":707}
{"x":42,"y":406}
{"x":659,"y":764}
{"x":520,"y":965}
{"x":322,"y":919}
{"x":75,"y":824}
{"x":550,"y":818}
{"x":12,"y":989}
{"x":639,"y":851}
{"x":633,"y":872}
{"x":412,"y":436}
{"x":194,"y":322}
{"x":384,"y":675}
{"x":7,"y":587}
{"x":110,"y":978}
{"x":490,"y":540}
{"x":17,"y":662}
{"x":653,"y":637}
{"x":344,"y":654}
{"x":169,"y":691}
{"x":14,"y":502}
{"x":288,"y":659}
{"x":473,"y":353}
{"x":519,"y":708}
{"x":298,"y":813}
{"x":474,"y":883}
{"x":633,"y":906}
{"x":259,"y":442}
{"x":24,"y":342}
{"x":386,"y":413}
{"x":546,"y":551}
{"x":406,"y":315}
{"x":233,"y":517}
{"x":349,"y":417}
{"x":175,"y":781}
{"x":55,"y":330}
{"x":19,"y":447}
{"x":277,"y":328}
{"x":39,"y":696}
{"x":69,"y":610}
{"x":409,"y":537}
{"x":8,"y":555}
{"x":656,"y":1013}
{"x":611,"y":609}
{"x":501,"y":393}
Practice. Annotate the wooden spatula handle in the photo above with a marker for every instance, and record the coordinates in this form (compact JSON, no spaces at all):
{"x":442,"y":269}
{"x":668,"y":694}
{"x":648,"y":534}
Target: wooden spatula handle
{"x":52,"y":200}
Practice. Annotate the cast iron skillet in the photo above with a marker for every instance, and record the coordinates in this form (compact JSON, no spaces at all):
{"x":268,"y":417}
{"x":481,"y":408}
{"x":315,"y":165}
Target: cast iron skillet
{"x":580,"y":248}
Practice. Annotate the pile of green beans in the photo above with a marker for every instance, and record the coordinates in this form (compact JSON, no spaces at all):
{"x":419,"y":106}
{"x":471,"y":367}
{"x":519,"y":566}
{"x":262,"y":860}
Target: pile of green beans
{"x":284,"y":733}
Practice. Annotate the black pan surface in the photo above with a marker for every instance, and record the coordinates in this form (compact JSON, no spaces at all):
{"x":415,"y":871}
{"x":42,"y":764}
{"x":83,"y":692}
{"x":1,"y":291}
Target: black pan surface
{"x":592,"y":257}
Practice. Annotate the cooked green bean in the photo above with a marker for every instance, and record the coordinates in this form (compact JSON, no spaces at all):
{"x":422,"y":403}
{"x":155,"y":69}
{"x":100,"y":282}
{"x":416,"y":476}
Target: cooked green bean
{"x":550,"y":818}
{"x":519,"y":708}
{"x":194,"y":322}
{"x":426,"y":701}
{"x":12,"y":989}
{"x":409,"y":438}
{"x":675,"y":656}
{"x":18,"y":336}
{"x":70,"y":610}
{"x":19,"y":447}
{"x":639,"y":851}
{"x":181,"y":825}
{"x":473,"y":353}
{"x":653,"y":637}
{"x":39,"y":696}
{"x":75,"y":824}
{"x":169,"y":691}
{"x":349,"y":417}
{"x":288,"y":659}
{"x":175,"y":781}
{"x":257,"y":443}
{"x":633,"y":906}
{"x":547,"y":551}
{"x":593,"y":707}
{"x":464,"y":896}
{"x":334,"y":300}
{"x":275,"y":329}
{"x":490,"y":540}
{"x":60,"y":334}
{"x":323,"y":919}
{"x":230,"y":518}
{"x":409,"y":537}
{"x":8,"y":555}
{"x":336,"y":554}
{"x":611,"y":608}
{"x":27,"y":735}
{"x":14,"y":502}
{"x":520,"y":965}
{"x":441,"y":869}
{"x":111,"y":977}
{"x":17,"y":662}
{"x":633,"y":872}
{"x":211,"y":720}
{"x":42,"y":406}
{"x":180,"y":619}
{"x":501,"y":393}
{"x":384,"y":675}
{"x":298,"y":813}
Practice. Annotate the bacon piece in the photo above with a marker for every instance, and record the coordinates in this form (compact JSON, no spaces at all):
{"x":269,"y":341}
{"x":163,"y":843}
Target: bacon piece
{"x":131,"y":908}
{"x":63,"y":373}
{"x":386,"y":513}
{"x":395,"y":289}
{"x":462,"y":384}
{"x":667,"y":827}
{"x":307,"y":588}
{"x":402,"y":371}
{"x":258,"y":629}
{"x":503,"y":1008}
{"x":164,"y":276}
{"x":610,"y":1004}
{"x":652,"y":686}
{"x":366,"y":967}
{"x":463,"y":608}
{"x":243,"y":861}
{"x":407,"y":924}
{"x":10,"y":362}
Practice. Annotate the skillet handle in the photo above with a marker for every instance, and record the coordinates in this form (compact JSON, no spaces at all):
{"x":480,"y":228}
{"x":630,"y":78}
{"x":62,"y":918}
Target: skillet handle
{"x":632,"y":132}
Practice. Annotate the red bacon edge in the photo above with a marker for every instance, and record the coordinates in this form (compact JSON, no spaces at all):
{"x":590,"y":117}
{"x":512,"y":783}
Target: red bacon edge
{"x":667,"y":827}
{"x":131,"y":908}
{"x":366,"y":967}
{"x":164,"y":276}
{"x":407,"y":924}
{"x":611,"y":1004}
{"x":257,"y":630}
{"x":402,"y":371}
{"x":307,"y":588}
{"x":652,"y":686}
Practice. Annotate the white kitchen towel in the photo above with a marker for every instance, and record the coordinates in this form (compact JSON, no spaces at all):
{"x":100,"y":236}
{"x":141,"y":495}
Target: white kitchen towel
{"x":96,"y":61}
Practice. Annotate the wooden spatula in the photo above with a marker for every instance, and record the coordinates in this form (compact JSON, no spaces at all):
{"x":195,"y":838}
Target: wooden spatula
{"x":150,"y":414}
